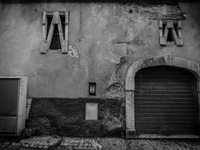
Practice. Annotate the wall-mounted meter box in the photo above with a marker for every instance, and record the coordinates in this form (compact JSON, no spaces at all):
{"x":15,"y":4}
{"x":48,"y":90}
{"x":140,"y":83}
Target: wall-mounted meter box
{"x":92,"y":88}
{"x":91,"y":111}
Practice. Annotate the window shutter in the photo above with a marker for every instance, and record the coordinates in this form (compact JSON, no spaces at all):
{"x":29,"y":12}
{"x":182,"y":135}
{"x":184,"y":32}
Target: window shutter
{"x":162,"y":38}
{"x":180,"y":41}
{"x":44,"y":45}
{"x":65,"y":42}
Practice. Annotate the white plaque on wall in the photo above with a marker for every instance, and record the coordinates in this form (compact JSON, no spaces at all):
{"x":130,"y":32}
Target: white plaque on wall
{"x":91,"y":111}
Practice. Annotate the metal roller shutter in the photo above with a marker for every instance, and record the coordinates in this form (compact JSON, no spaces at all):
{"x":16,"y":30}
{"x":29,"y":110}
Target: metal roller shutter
{"x":165,"y":101}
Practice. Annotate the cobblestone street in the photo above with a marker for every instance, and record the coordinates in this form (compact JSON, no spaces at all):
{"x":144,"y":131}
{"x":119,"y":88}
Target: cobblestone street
{"x":51,"y":142}
{"x":66,"y":143}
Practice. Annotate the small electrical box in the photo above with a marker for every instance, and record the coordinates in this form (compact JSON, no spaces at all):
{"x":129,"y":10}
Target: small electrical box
{"x":92,"y":88}
{"x":91,"y":111}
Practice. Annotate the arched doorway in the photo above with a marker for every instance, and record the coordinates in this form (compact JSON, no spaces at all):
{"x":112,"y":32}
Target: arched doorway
{"x":159,"y":117}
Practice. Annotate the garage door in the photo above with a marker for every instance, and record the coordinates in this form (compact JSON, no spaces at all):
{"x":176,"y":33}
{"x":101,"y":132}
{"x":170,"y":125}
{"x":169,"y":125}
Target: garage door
{"x":165,"y":101}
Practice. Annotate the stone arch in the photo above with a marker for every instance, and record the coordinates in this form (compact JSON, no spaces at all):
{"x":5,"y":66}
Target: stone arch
{"x":155,"y":61}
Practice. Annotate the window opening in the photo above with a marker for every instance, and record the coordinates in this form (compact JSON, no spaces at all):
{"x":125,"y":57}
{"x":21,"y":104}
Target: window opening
{"x":170,"y":31}
{"x":55,"y":42}
{"x":55,"y":31}
{"x":170,"y":36}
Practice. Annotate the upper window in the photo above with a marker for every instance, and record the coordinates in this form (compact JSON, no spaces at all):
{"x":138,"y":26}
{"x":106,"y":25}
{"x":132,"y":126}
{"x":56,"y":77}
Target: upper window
{"x":170,"y":31}
{"x":55,"y":32}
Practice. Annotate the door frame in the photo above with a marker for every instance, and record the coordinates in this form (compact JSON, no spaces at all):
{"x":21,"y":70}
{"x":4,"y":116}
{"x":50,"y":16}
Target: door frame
{"x":166,"y":60}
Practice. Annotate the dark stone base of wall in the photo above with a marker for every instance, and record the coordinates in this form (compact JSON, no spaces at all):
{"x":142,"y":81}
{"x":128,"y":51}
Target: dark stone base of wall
{"x":67,"y":117}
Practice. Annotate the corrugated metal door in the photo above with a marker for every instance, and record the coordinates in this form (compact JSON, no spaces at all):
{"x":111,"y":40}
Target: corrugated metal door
{"x":165,"y":101}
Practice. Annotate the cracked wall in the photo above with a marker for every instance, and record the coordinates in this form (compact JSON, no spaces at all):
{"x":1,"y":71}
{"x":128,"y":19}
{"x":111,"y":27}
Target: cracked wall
{"x":104,"y":34}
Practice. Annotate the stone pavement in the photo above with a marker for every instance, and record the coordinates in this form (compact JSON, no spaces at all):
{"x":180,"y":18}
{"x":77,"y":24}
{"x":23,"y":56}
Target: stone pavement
{"x":51,"y":142}
{"x":67,"y":143}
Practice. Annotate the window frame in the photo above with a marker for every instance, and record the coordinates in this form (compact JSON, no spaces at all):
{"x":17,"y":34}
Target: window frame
{"x":47,"y":37}
{"x":176,"y":29}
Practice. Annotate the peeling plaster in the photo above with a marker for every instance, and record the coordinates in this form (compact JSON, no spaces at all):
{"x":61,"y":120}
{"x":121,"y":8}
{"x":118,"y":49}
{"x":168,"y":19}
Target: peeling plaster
{"x":72,"y":51}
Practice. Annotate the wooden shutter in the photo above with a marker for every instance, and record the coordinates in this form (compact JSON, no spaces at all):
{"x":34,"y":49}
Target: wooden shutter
{"x":44,"y":47}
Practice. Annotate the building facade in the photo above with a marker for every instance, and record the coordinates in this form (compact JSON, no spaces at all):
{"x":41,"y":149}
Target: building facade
{"x":124,"y":50}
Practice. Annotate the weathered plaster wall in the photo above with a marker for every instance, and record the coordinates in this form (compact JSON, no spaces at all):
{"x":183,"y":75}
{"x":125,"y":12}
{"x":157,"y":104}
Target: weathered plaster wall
{"x":102,"y":34}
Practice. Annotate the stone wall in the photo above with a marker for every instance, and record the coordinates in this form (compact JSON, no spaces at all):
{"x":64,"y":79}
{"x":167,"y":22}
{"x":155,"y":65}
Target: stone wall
{"x":67,"y":117}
